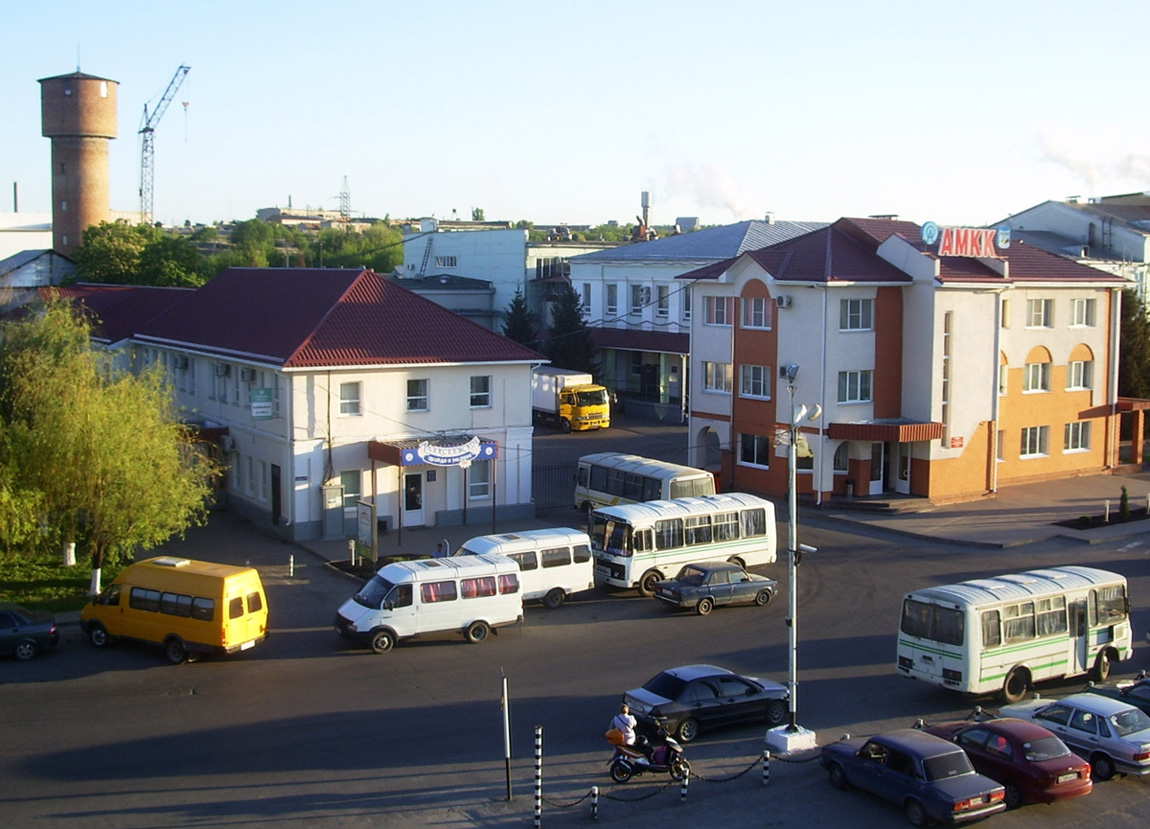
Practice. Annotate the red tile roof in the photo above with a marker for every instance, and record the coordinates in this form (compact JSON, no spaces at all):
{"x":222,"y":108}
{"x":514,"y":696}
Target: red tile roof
{"x":118,"y":310}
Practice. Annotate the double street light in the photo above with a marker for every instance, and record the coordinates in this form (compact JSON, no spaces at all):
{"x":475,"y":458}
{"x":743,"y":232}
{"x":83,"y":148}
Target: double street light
{"x":792,"y":737}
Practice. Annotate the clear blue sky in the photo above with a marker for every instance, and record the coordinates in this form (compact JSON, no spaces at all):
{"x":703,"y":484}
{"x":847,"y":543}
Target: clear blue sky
{"x":565,"y":112}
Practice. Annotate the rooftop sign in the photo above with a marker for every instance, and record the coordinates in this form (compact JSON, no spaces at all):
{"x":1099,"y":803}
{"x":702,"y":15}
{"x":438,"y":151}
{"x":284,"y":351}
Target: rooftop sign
{"x":966,"y":241}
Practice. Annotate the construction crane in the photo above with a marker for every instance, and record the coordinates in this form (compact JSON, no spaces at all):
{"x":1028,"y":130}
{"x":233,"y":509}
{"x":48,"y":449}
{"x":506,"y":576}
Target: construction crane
{"x":147,"y":143}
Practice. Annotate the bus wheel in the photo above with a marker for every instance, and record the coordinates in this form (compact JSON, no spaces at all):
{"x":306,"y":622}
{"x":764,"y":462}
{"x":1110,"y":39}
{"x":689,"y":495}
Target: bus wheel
{"x":738,"y":562}
{"x":1016,"y":684}
{"x":647,"y":583}
{"x":554,"y":598}
{"x":175,"y":651}
{"x":477,"y":632}
{"x":1101,"y":669}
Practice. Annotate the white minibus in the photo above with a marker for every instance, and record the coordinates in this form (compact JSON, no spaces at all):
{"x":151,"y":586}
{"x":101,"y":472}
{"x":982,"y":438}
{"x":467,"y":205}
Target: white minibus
{"x":640,"y":544}
{"x":1007,"y":632}
{"x":553,"y":564}
{"x":605,"y":479}
{"x":470,"y":594}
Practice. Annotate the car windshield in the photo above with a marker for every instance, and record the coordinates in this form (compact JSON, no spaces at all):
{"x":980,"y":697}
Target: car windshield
{"x":373,"y":592}
{"x":1044,"y":748}
{"x":665,"y":685}
{"x":1129,"y":721}
{"x":947,"y":765}
{"x":691,"y":575}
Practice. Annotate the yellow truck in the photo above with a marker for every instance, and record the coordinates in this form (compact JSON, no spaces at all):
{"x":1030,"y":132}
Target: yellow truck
{"x":569,"y":399}
{"x":186,"y":607}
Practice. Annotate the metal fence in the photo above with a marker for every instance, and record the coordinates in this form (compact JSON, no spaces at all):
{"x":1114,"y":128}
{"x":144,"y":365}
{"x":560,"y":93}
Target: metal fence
{"x":553,"y":485}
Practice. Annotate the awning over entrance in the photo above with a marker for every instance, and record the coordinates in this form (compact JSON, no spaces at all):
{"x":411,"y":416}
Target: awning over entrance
{"x":458,"y":450}
{"x":895,"y":430}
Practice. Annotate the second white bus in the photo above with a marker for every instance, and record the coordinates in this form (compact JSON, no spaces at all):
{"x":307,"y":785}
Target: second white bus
{"x":605,"y":479}
{"x":1007,"y":632}
{"x":637,"y":545}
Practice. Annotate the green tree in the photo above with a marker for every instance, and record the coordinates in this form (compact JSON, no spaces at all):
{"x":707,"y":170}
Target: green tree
{"x":111,"y":252}
{"x":99,"y":453}
{"x":172,"y":261}
{"x":570,"y":345}
{"x":1134,"y":348}
{"x":252,"y":243}
{"x":477,"y":214}
{"x":519,"y":323}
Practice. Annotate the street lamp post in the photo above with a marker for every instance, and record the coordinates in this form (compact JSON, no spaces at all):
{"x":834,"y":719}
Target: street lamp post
{"x":792,"y":737}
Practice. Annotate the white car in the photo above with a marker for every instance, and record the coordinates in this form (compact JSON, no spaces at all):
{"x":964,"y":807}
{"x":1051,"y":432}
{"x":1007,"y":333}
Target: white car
{"x":1112,"y":735}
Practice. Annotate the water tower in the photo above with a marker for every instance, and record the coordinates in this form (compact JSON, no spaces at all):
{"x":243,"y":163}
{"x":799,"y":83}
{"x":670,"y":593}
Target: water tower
{"x":78,"y":112}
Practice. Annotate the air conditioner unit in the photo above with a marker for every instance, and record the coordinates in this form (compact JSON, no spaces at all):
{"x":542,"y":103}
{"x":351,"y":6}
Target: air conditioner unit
{"x":645,"y":294}
{"x":783,"y":301}
{"x":227,"y":443}
{"x":223,"y":370}
{"x":247,"y":375}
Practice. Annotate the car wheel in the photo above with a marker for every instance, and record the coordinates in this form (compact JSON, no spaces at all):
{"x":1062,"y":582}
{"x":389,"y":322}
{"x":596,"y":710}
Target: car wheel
{"x":1016,"y":684}
{"x":1013,"y":798}
{"x":620,"y":772}
{"x":554,"y":599}
{"x":915,"y":813}
{"x":1101,"y":669}
{"x":837,"y":777}
{"x":477,"y":632}
{"x":705,"y":606}
{"x":175,"y":651}
{"x":763,"y":597}
{"x":382,"y":641}
{"x":688,"y":730}
{"x":776,"y":712}
{"x":1102,"y":767}
{"x":98,"y":635}
{"x":24,"y":651}
{"x":648,"y":581}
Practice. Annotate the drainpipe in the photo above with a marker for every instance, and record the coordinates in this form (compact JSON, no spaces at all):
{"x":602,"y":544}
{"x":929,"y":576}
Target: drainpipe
{"x":1112,"y":385}
{"x":994,"y":405}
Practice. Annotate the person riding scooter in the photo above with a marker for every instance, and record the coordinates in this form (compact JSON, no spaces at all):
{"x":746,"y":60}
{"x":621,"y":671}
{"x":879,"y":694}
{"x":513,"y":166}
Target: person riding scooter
{"x":626,"y":723}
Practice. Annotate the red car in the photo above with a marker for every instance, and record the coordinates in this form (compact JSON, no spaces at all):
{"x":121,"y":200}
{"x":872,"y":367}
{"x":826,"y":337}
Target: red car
{"x":1031,"y":763}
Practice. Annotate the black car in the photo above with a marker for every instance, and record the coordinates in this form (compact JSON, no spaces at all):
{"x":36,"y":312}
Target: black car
{"x":694,"y":698}
{"x":710,"y":584}
{"x":25,"y":633}
{"x":1136,"y":693}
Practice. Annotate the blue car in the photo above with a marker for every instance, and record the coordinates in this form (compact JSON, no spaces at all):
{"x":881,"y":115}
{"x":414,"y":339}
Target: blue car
{"x":930,"y":778}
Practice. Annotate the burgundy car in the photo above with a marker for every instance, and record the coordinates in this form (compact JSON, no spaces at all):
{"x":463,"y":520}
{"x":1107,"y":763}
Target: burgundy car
{"x":1032,"y":763}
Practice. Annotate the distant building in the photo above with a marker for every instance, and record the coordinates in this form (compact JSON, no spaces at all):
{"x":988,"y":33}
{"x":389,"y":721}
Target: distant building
{"x":24,"y":273}
{"x":24,"y":231}
{"x":470,"y":298}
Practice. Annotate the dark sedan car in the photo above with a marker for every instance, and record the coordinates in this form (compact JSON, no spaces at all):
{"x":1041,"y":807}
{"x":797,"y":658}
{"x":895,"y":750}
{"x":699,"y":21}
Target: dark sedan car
{"x":709,"y":584}
{"x":929,"y":777}
{"x":1031,"y":762}
{"x":1136,"y":693}
{"x":694,"y":698}
{"x":25,"y":633}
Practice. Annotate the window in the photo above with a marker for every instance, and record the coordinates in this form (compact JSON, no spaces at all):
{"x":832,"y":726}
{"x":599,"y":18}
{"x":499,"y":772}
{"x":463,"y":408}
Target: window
{"x":479,"y":479}
{"x":854,"y":386}
{"x":842,"y":458}
{"x":755,"y":381}
{"x":718,"y":310}
{"x":1003,"y":373}
{"x":930,"y":621}
{"x":1076,"y":437}
{"x":481,"y":392}
{"x":668,"y":533}
{"x":251,"y":475}
{"x":438,"y":591}
{"x":1082,"y":313}
{"x":685,"y":302}
{"x":637,"y":299}
{"x":417,"y":395}
{"x":725,"y":526}
{"x":555,"y":557}
{"x":176,"y":604}
{"x":1000,"y":445}
{"x":717,"y":377}
{"x":235,"y":607}
{"x":508,"y":583}
{"x":757,"y":312}
{"x":526,"y":561}
{"x":663,"y":301}
{"x":350,"y":482}
{"x":1040,"y":313}
{"x":1080,"y":375}
{"x":1051,"y":616}
{"x":143,"y":599}
{"x":203,"y":609}
{"x":349,"y":399}
{"x":1036,"y":377}
{"x":753,"y":521}
{"x":1005,"y":321}
{"x":477,"y":588}
{"x":1034,"y":441}
{"x":612,"y":299}
{"x":446,"y":262}
{"x":586,"y":297}
{"x":755,"y":450}
{"x":263,"y":480}
{"x":856,"y":314}
{"x":991,"y":632}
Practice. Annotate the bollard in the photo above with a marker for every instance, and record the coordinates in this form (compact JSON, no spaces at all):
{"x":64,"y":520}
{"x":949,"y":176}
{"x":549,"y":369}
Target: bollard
{"x":538,"y":776}
{"x":1108,"y":511}
{"x":683,"y":788}
{"x":594,"y":803}
{"x":291,"y":566}
{"x":766,"y":768}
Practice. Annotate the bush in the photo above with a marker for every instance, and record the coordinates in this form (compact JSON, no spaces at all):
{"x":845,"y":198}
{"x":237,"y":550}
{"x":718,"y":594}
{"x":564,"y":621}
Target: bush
{"x":1085,"y":521}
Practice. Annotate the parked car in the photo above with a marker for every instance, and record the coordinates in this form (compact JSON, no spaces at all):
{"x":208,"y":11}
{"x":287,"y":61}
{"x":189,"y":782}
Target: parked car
{"x":1113,"y":735}
{"x":695,"y":698}
{"x":1136,"y":692}
{"x":1031,"y":762}
{"x":25,"y":633}
{"x":710,"y":584}
{"x":929,"y":777}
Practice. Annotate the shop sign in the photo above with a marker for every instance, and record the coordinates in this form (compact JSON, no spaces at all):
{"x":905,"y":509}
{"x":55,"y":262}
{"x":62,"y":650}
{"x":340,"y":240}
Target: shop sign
{"x":444,"y":453}
{"x":966,"y":241}
{"x":261,"y":404}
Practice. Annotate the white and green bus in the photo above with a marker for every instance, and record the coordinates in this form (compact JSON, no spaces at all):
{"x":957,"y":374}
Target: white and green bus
{"x":605,"y":479}
{"x":1007,"y":632}
{"x":636,"y":545}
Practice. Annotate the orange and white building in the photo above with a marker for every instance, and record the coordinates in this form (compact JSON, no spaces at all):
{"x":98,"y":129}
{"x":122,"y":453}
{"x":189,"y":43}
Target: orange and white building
{"x":946,"y":362}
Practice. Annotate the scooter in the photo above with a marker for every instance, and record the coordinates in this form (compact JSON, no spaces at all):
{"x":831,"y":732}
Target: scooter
{"x":632,"y":760}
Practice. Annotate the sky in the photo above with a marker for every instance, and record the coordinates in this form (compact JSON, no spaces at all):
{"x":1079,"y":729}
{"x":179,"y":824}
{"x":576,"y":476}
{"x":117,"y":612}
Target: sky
{"x":956,"y":112}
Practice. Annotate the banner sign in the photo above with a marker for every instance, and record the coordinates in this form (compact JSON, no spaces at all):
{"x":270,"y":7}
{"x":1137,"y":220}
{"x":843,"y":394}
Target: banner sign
{"x":966,"y":241}
{"x":448,"y":452}
{"x":261,"y":404}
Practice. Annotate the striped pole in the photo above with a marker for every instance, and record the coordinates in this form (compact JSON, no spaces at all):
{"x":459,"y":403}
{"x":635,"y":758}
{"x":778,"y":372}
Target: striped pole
{"x":683,"y":788}
{"x":538,"y":776}
{"x":594,"y":803}
{"x":766,"y":768}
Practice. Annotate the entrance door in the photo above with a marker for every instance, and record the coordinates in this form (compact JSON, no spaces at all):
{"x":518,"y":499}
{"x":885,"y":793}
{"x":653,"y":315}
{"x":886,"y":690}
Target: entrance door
{"x":877,"y":462}
{"x":1078,"y":635}
{"x":413,"y":499}
{"x":902,"y":482}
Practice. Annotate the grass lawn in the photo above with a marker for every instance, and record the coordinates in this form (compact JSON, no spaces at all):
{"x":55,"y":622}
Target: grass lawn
{"x":46,"y":584}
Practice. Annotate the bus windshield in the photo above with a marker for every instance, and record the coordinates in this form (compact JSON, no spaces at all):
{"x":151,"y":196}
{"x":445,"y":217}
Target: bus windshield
{"x":930,"y":621}
{"x":610,"y":536}
{"x":371,"y":596}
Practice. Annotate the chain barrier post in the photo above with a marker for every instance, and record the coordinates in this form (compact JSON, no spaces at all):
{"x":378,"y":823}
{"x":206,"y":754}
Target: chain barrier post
{"x":683,"y":788}
{"x":766,"y":767}
{"x":291,"y":566}
{"x":594,"y":803}
{"x":538,"y":776}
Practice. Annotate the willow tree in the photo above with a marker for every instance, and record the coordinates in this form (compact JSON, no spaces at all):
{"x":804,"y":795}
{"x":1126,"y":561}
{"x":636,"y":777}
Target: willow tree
{"x":98,"y":452}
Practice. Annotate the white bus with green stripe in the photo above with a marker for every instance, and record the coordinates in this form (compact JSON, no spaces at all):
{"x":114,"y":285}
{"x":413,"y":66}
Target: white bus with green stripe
{"x":1008,"y":632}
{"x":636,"y":545}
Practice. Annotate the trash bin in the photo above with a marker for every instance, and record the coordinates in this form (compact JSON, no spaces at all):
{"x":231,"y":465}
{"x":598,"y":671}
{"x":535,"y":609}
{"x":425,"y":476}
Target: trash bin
{"x":850,"y":489}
